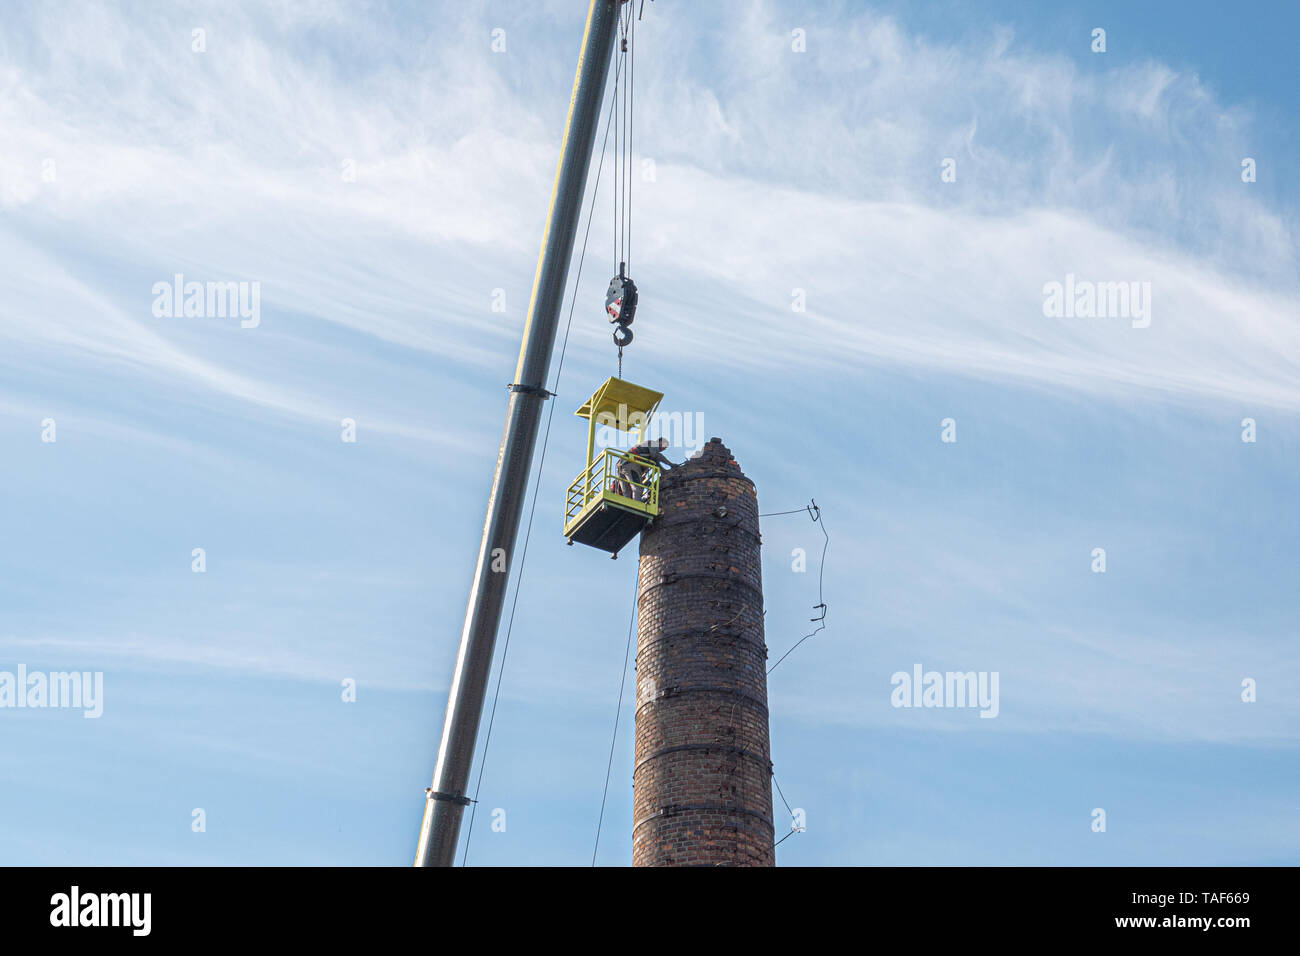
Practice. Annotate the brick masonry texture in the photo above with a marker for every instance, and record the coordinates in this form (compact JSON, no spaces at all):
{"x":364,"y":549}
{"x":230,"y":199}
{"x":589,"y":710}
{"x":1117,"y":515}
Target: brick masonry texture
{"x":702,"y":789}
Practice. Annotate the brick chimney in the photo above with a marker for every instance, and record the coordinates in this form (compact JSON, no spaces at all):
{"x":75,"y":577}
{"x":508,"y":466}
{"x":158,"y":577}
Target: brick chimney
{"x":702,"y":789}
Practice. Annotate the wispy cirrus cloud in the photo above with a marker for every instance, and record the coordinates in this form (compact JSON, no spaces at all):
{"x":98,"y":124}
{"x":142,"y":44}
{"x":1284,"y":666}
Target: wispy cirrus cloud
{"x":773,"y":171}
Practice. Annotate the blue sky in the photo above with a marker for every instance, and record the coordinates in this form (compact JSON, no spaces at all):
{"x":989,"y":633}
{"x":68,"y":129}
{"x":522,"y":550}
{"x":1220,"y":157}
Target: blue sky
{"x":775,"y":171}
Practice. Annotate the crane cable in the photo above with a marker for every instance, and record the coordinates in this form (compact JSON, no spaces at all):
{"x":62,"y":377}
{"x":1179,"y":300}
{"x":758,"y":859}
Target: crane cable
{"x":621,"y":299}
{"x":624,"y":104}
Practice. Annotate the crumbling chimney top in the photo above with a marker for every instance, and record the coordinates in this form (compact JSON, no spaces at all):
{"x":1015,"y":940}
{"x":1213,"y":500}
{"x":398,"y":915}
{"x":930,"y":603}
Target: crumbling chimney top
{"x":714,"y":458}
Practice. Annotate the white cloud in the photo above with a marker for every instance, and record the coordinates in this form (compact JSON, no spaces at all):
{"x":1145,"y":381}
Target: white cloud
{"x":776,"y":170}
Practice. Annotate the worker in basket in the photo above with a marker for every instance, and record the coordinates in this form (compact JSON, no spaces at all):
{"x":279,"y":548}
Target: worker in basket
{"x":632,"y":474}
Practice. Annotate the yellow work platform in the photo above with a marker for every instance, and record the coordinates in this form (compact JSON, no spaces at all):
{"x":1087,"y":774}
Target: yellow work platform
{"x":617,"y":494}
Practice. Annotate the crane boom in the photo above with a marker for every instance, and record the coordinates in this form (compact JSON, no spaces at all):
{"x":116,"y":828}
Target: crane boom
{"x":446,"y":798}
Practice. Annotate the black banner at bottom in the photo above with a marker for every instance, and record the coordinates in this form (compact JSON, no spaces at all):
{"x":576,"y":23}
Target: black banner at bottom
{"x":88,"y":905}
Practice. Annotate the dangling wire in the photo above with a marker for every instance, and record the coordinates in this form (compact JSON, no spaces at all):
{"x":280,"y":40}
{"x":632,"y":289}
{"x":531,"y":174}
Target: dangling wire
{"x":815,"y":513}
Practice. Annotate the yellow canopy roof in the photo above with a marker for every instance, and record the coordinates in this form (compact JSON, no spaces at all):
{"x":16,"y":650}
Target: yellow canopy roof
{"x":616,"y":392}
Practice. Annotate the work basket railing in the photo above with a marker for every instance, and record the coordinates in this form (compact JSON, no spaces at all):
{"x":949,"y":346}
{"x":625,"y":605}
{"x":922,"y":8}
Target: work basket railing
{"x":601,"y":479}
